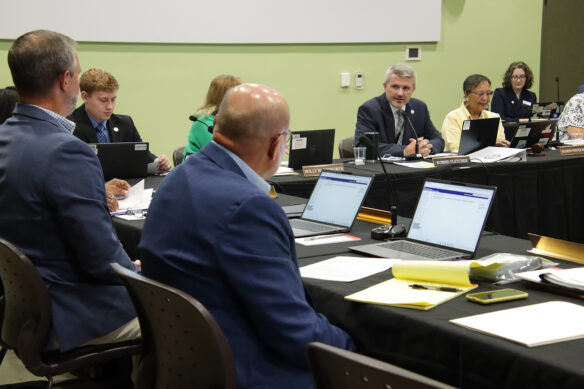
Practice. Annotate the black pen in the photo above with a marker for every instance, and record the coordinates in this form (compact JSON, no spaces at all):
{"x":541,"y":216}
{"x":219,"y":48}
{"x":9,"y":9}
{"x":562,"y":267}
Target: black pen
{"x":432,"y":287}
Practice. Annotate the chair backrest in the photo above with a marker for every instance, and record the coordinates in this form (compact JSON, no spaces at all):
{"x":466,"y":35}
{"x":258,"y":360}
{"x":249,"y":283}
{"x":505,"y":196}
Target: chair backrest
{"x":27,"y":319}
{"x":335,"y":368}
{"x":177,"y":155}
{"x":183,"y":346}
{"x":346,"y":147}
{"x":27,"y":307}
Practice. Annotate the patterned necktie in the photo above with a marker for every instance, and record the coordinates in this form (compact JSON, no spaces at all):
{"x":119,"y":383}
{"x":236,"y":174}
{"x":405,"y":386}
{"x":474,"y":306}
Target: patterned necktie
{"x":102,"y":134}
{"x":399,"y":128}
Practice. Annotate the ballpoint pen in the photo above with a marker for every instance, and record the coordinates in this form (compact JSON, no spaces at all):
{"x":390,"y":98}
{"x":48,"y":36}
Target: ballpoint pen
{"x":432,"y":287}
{"x":322,"y":237}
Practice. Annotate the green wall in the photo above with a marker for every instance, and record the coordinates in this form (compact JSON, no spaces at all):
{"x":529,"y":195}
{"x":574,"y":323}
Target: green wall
{"x":161,"y":84}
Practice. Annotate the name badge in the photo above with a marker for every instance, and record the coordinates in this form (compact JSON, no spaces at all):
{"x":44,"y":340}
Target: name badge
{"x":528,"y":103}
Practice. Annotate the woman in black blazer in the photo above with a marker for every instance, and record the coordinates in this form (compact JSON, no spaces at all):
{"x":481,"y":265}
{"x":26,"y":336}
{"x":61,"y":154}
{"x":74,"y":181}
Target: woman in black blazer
{"x":514,"y":101}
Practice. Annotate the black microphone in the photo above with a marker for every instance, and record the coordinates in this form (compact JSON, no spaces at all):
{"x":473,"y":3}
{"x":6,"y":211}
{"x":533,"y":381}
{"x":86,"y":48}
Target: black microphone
{"x":556,"y":142}
{"x":193,"y":118}
{"x":416,"y":154}
{"x":392,"y":230}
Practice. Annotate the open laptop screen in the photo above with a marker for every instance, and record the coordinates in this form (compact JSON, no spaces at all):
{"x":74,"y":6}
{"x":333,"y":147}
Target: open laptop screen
{"x":313,"y":147}
{"x":336,"y":198}
{"x":451,"y":214}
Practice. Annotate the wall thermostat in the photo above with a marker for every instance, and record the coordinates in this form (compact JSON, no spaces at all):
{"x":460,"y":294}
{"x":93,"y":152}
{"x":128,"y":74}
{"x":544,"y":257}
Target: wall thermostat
{"x":359,"y":81}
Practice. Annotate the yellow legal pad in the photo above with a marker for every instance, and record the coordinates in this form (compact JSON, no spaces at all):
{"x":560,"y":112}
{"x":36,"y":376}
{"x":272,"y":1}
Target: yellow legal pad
{"x":398,"y":292}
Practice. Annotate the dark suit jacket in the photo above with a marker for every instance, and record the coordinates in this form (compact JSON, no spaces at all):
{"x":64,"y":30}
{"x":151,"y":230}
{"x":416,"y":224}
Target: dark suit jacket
{"x":54,"y":209}
{"x":509,"y":107}
{"x":126,"y":130}
{"x":375,"y":115}
{"x":230,"y":246}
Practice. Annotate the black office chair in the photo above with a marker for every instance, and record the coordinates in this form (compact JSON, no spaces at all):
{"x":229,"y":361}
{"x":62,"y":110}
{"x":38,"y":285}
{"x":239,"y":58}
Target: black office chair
{"x":183,"y":346}
{"x":177,"y":155}
{"x":346,"y":147}
{"x":27,"y":318}
{"x":335,"y":368}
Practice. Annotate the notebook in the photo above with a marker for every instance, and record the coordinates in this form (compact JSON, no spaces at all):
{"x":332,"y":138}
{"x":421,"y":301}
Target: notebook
{"x":333,"y":204}
{"x":311,"y":148}
{"x":447,"y":224}
{"x":122,"y":159}
{"x":478,"y":134}
{"x":529,"y":133}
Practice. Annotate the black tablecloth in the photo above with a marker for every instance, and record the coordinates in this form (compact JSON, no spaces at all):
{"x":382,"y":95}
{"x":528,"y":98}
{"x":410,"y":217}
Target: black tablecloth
{"x":543,"y":195}
{"x":426,"y":342}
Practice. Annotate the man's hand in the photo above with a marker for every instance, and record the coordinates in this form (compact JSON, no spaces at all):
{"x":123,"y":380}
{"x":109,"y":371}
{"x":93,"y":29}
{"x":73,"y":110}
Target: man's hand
{"x":112,"y":188}
{"x":424,"y":147}
{"x":163,"y":164}
{"x":502,"y":143}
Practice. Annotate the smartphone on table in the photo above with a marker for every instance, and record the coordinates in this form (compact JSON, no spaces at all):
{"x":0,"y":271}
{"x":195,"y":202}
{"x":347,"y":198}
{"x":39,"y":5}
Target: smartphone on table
{"x":496,"y":296}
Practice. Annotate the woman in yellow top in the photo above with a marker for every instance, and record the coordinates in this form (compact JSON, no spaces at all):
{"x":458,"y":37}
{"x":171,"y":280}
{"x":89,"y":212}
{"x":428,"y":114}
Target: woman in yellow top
{"x":477,"y":95}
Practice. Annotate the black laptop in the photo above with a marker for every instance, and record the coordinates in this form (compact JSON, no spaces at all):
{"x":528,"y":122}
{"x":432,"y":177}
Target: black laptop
{"x":478,"y":134}
{"x":122,"y":159}
{"x":447,"y":224}
{"x":529,"y":133}
{"x":313,"y":147}
{"x":333,"y":205}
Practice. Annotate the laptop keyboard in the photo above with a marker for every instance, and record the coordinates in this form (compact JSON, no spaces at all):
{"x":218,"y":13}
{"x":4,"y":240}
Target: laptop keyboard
{"x":420,"y":250}
{"x":298,"y":224}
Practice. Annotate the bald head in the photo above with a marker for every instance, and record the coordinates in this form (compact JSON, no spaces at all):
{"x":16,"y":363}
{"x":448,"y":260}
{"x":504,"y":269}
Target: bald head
{"x":252,"y":112}
{"x":253,"y":121}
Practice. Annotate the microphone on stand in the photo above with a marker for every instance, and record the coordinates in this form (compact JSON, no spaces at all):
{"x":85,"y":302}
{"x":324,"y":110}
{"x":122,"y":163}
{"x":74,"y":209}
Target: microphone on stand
{"x":416,"y":154}
{"x":392,"y":230}
{"x":193,"y":118}
{"x":556,"y":142}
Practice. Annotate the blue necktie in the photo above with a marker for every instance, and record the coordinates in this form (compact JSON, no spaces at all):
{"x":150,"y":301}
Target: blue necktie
{"x":102,"y":134}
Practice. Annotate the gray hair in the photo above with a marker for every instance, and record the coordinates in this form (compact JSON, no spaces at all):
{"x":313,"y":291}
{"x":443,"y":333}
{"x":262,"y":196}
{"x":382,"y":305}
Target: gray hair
{"x":401,"y":70}
{"x":38,"y":58}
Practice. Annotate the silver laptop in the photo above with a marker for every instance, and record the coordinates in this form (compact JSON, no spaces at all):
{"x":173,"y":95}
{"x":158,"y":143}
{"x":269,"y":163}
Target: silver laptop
{"x":333,"y":204}
{"x":447,"y":224}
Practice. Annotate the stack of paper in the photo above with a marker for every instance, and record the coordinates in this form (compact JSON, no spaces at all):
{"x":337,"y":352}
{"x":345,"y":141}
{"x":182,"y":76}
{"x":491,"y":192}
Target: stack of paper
{"x":419,"y":285}
{"x":531,"y":325}
{"x":498,"y":154}
{"x":137,"y":199}
{"x":569,"y":278}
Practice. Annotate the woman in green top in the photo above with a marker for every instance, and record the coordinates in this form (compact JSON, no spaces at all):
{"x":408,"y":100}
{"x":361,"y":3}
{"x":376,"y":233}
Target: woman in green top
{"x":200,"y":133}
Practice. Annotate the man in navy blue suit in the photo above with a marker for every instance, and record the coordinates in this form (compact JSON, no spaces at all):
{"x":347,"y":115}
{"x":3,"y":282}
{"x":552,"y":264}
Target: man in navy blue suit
{"x":213,"y":231}
{"x":53,"y":199}
{"x":402,"y":122}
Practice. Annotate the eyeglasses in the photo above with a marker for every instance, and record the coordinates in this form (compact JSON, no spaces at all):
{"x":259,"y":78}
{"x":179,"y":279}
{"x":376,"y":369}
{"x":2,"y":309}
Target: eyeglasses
{"x":285,"y":132}
{"x":481,"y":93}
{"x":518,"y":78}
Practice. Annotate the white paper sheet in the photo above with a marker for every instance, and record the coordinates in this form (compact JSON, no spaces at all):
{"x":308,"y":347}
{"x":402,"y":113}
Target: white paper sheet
{"x":346,"y":269}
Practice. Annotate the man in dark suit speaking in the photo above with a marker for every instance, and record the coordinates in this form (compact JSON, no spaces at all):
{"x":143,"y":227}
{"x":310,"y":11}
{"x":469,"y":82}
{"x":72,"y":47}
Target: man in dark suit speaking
{"x":401,"y":121}
{"x":96,"y":121}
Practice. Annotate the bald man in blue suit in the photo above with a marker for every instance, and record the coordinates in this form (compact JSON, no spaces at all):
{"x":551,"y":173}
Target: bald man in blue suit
{"x":213,"y":231}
